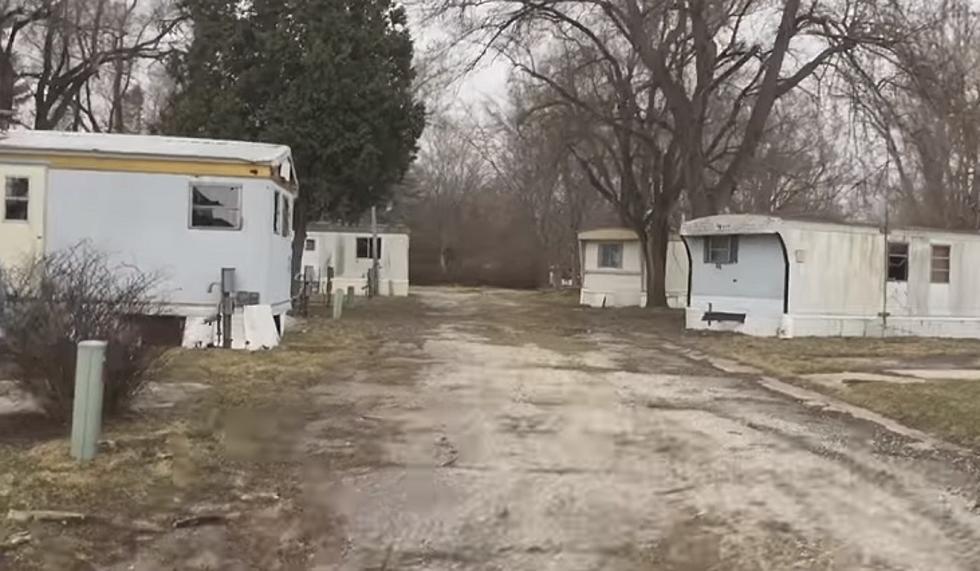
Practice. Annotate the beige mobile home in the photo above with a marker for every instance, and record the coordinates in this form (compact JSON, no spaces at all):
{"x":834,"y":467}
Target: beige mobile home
{"x":613,"y":272}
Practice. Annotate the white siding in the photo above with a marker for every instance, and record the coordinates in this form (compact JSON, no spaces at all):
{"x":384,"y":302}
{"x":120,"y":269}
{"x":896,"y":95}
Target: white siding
{"x":838,"y":282}
{"x":626,"y":287}
{"x":339,"y":251}
{"x":143,"y":219}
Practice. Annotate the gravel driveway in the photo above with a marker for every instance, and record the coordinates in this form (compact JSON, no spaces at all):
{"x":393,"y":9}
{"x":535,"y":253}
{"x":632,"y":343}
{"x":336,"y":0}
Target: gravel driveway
{"x":607,"y":448}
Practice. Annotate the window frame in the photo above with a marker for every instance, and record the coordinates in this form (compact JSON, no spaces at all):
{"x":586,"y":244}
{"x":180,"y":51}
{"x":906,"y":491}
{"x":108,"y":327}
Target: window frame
{"x":731,"y":250}
{"x":276,"y":213}
{"x":9,"y":198}
{"x":287,"y":220}
{"x":367,"y":239}
{"x":948,"y":258}
{"x":907,"y":256}
{"x":307,"y":243}
{"x":600,"y":262}
{"x":191,"y":207}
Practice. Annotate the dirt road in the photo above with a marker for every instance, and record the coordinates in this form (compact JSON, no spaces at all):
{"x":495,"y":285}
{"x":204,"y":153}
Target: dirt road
{"x":508,"y":435}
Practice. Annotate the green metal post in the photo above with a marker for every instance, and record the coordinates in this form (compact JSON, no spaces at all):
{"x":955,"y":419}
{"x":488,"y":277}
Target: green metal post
{"x":338,"y":303}
{"x":86,"y":425}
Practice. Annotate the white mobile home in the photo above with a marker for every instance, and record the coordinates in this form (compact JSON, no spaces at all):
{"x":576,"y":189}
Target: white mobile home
{"x":183,"y":208}
{"x":346,"y":250}
{"x":769,"y":276}
{"x":613,"y":272}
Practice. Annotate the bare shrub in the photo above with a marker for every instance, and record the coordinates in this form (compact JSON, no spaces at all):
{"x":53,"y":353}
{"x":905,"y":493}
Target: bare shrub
{"x":77,"y":294}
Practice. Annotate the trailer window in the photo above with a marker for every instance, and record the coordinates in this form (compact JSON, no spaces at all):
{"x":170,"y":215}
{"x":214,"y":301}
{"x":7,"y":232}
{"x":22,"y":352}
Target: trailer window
{"x":611,"y":256}
{"x":286,"y":217}
{"x":721,"y":250}
{"x":898,"y":262}
{"x":276,"y":218}
{"x":941,"y":264}
{"x":216,"y":206}
{"x":364,"y":248}
{"x":16,"y":197}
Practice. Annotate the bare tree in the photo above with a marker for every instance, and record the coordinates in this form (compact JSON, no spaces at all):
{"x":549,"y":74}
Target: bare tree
{"x":677,"y":95}
{"x":801,"y":167}
{"x":921,"y":101}
{"x":64,"y":46}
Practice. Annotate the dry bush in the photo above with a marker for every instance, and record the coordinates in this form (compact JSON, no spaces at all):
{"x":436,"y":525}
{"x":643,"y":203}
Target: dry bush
{"x":77,"y":294}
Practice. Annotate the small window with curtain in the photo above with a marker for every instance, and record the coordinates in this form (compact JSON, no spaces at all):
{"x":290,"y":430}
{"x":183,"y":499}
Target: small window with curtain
{"x":16,"y":198}
{"x":898,"y":262}
{"x":721,"y":250}
{"x":611,"y":256}
{"x":216,"y":206}
{"x":941,"y":264}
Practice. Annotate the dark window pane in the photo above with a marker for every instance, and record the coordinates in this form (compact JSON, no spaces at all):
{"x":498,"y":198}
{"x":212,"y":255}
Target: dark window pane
{"x":364,"y":248}
{"x":215,"y":217}
{"x":286,"y":217}
{"x":721,"y":250}
{"x":611,"y":256}
{"x":18,"y":187}
{"x":311,"y":245}
{"x":16,"y":210}
{"x":216,"y":195}
{"x":898,"y":262}
{"x":276,"y":224}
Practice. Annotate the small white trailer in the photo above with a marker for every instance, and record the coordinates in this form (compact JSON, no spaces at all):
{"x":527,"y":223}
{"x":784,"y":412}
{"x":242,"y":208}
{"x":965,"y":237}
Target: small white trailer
{"x":200,"y":213}
{"x":345,"y":252}
{"x":614,"y":275}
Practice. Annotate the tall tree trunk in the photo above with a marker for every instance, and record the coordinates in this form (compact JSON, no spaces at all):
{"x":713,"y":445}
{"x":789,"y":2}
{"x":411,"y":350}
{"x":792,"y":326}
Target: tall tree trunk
{"x":300,"y":211}
{"x":654,"y":241}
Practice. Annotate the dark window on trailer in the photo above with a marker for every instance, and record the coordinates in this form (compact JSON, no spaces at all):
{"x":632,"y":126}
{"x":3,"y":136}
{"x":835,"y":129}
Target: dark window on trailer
{"x":276,"y":217}
{"x":16,"y":197}
{"x":898,"y":262}
{"x":364,"y":248}
{"x":216,"y":206}
{"x":721,"y":250}
{"x":611,"y":256}
{"x":310,"y":244}
{"x":941,"y":264}
{"x":286,"y":217}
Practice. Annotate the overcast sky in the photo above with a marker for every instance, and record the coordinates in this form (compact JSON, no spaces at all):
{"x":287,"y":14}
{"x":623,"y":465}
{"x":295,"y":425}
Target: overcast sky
{"x":485,"y":85}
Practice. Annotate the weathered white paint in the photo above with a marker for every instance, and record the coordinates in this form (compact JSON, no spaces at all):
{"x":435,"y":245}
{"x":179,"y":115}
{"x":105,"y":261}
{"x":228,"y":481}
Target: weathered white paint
{"x":626,"y":286}
{"x":23,"y":239}
{"x":338,"y":250}
{"x":143,"y":219}
{"x":260,"y":328}
{"x":837,"y":281}
{"x":150,"y":146}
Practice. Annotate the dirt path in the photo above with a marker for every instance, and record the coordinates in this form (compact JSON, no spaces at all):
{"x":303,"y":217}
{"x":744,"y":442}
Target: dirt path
{"x":499,"y":435}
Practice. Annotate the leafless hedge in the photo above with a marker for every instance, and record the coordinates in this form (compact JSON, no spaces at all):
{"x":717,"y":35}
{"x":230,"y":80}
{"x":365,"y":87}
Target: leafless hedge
{"x":56,"y":301}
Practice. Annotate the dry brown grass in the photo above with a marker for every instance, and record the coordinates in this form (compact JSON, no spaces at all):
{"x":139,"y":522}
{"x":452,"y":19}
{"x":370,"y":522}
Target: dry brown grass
{"x":829,"y":355}
{"x":215,"y":445}
{"x":950,"y":409}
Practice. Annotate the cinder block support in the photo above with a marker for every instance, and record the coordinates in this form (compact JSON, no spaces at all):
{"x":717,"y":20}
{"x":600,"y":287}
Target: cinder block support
{"x":86,"y":423}
{"x":338,"y":304}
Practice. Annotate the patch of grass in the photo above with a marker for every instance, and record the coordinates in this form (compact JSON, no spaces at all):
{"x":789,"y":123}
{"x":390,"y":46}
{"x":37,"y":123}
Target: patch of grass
{"x":232,"y":437}
{"x":947,"y":408}
{"x":831,"y":355}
